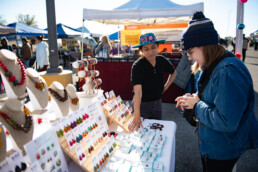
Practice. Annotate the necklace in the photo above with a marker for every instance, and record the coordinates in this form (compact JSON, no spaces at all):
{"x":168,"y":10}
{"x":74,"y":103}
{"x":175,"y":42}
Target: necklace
{"x":28,"y":121}
{"x":75,"y":101}
{"x":57,"y":96}
{"x":9,"y":74}
{"x":39,"y":85}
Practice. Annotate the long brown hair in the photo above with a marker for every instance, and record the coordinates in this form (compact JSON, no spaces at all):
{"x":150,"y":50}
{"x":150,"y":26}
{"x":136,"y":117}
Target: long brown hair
{"x":210,"y":53}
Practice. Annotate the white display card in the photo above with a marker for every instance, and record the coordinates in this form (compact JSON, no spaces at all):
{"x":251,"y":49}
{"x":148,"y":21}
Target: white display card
{"x":16,"y":159}
{"x":69,"y":138}
{"x":5,"y":165}
{"x":119,"y":100}
{"x":80,"y":154}
{"x":158,"y":165}
{"x":147,"y":159}
{"x":146,"y":165}
{"x":118,"y":114}
{"x":34,"y":167}
{"x":88,"y":143}
{"x":47,"y":152}
{"x":113,"y":104}
{"x":107,"y":95}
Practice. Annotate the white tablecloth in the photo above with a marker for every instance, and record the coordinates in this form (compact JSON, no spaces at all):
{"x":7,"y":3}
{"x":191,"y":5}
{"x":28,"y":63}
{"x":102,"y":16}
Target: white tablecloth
{"x":168,"y":152}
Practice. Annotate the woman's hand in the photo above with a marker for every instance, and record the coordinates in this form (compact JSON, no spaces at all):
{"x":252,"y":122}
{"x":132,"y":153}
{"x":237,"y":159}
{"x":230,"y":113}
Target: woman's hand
{"x":136,"y":123}
{"x":187,"y":101}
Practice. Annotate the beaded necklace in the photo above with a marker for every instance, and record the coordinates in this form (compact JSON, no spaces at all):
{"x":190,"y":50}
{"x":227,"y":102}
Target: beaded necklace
{"x":57,"y":96}
{"x":75,"y":100}
{"x":39,"y":85}
{"x":28,"y":121}
{"x":9,"y":74}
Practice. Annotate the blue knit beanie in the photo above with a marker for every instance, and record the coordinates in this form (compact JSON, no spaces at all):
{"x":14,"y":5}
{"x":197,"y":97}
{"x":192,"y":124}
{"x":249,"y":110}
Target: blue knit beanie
{"x":200,"y":32}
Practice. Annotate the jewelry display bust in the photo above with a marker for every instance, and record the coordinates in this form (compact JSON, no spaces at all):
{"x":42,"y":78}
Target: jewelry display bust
{"x":13,"y":75}
{"x":60,"y":97}
{"x":37,"y":89}
{"x":18,"y":121}
{"x":73,"y":98}
{"x":2,"y":144}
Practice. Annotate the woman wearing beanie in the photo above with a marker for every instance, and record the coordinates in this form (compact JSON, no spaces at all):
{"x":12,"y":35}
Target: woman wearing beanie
{"x":147,"y":77}
{"x":224,"y":104}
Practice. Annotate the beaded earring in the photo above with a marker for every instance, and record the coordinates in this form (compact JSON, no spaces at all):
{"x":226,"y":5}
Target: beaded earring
{"x":22,"y":168}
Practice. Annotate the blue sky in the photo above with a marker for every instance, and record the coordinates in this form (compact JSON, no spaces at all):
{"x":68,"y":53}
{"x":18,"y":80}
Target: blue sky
{"x":69,"y":12}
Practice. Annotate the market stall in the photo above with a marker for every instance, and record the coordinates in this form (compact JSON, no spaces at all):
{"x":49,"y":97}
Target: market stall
{"x":60,"y":125}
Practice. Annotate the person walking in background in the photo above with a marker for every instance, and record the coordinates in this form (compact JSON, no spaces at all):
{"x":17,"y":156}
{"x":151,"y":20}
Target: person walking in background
{"x":255,"y":43}
{"x":245,"y":47}
{"x":224,"y":105}
{"x":147,"y":77}
{"x":26,"y":52}
{"x":5,"y":44}
{"x":42,"y":54}
{"x":104,"y":46}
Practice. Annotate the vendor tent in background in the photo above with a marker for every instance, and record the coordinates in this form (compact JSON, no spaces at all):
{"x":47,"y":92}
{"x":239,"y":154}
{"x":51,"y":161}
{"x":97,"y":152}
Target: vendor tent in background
{"x":114,"y":36}
{"x":6,"y":30}
{"x":144,"y":12}
{"x":64,"y":31}
{"x":26,"y":30}
{"x":87,"y":31}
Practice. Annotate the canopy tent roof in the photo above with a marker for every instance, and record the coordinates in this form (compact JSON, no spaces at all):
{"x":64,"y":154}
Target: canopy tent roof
{"x":84,"y":29}
{"x":114,"y":36}
{"x":144,"y":12}
{"x":26,"y":30}
{"x":6,"y":30}
{"x":64,"y":31}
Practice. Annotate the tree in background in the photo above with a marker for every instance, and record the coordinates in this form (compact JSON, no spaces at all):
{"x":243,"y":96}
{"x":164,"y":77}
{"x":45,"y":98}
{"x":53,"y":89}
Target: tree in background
{"x":2,"y":21}
{"x":27,"y":19}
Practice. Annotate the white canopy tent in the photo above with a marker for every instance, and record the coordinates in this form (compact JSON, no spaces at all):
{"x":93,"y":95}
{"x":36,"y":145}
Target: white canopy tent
{"x":144,"y":12}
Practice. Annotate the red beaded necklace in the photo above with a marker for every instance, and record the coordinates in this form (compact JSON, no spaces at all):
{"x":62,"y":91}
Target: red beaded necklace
{"x":9,"y":74}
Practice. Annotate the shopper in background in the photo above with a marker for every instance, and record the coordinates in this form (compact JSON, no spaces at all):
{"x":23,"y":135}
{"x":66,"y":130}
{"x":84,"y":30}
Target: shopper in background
{"x":42,"y":54}
{"x":224,"y":105}
{"x":245,"y":47}
{"x":104,"y":47}
{"x":147,"y":77}
{"x":26,"y":52}
{"x":5,"y":44}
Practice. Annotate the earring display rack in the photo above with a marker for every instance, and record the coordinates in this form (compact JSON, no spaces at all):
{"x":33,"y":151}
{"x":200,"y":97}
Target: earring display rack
{"x":94,"y":142}
{"x":115,"y":109}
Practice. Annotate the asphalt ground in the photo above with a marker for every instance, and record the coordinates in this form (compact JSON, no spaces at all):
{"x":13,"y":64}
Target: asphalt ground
{"x":187,"y":150}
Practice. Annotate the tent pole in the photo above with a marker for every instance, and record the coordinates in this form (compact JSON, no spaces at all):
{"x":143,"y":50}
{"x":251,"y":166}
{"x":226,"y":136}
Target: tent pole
{"x":239,"y":32}
{"x":118,"y":42}
{"x":82,"y":38}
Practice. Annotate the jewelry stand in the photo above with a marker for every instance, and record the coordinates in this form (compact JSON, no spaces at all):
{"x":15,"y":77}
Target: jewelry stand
{"x":37,"y":89}
{"x":73,"y":98}
{"x":15,"y":110}
{"x":16,"y":71}
{"x":2,"y":144}
{"x":63,"y":106}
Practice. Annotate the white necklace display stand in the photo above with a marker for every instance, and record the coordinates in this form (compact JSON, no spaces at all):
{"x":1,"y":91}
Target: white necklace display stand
{"x":9,"y":59}
{"x":62,"y":106}
{"x":15,"y":110}
{"x":38,"y":98}
{"x":71,"y":90}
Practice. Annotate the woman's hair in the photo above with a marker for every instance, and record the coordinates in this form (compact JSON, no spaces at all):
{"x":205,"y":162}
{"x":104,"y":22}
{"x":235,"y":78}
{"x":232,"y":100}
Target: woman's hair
{"x":25,"y":39}
{"x":105,"y":40}
{"x":4,"y":41}
{"x":210,"y":54}
{"x":40,"y":37}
